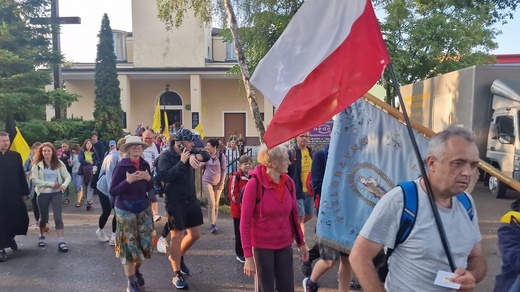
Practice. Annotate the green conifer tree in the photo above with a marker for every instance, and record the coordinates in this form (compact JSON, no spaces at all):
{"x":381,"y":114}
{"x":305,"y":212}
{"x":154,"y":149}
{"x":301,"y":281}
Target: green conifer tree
{"x":107,"y":112}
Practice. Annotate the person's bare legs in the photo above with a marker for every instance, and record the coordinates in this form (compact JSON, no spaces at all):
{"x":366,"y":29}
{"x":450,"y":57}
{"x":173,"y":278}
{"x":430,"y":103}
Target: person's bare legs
{"x":344,"y":274}
{"x":155,"y":208}
{"x":193,"y":234}
{"x":320,"y":268}
{"x":175,"y":249}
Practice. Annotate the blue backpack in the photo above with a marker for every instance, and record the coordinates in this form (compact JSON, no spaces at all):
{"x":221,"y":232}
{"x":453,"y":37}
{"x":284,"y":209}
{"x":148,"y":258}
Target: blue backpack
{"x":408,"y":217}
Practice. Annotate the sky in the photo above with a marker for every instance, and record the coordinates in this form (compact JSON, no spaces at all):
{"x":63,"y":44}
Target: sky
{"x":79,"y":41}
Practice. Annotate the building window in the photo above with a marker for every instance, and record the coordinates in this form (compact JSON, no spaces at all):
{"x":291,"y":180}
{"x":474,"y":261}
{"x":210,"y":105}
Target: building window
{"x":230,"y":52}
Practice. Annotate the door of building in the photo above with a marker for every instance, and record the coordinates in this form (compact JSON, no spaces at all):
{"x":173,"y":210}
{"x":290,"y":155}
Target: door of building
{"x":234,"y":124}
{"x":174,"y":115}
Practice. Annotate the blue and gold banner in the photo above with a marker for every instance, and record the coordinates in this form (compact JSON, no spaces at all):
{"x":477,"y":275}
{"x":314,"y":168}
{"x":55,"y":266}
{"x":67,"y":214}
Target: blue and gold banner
{"x":370,"y":152}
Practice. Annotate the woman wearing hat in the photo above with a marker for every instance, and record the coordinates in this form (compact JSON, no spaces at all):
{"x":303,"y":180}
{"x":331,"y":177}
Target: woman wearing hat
{"x":130,"y":182}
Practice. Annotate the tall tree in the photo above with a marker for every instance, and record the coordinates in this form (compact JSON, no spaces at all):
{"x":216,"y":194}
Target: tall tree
{"x":24,"y":50}
{"x":107,"y":111}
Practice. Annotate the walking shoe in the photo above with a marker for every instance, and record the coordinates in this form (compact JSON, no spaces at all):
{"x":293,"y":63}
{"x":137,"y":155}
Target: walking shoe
{"x":162,"y":245}
{"x":3,"y":255}
{"x":140,"y":279}
{"x":101,"y":235}
{"x":66,"y":201}
{"x":156,"y":217}
{"x":309,"y":286}
{"x":112,"y":240}
{"x":78,"y":204}
{"x":184,"y":268}
{"x":133,"y":287}
{"x":241,"y":259}
{"x":213,"y":229}
{"x":179,"y":282}
{"x":89,"y":206}
{"x":354,"y":285}
{"x":13,"y":245}
{"x":41,"y":241}
{"x":307,"y":268}
{"x":63,"y":247}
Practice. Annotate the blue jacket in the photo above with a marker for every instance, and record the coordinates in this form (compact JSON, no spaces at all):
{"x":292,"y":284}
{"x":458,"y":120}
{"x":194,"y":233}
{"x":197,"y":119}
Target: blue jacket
{"x":106,"y":171}
{"x":319,"y":161}
{"x":81,"y":159}
{"x":509,"y":244}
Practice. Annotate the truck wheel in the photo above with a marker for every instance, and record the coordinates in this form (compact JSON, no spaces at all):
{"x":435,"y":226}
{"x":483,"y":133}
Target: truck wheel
{"x":497,"y":188}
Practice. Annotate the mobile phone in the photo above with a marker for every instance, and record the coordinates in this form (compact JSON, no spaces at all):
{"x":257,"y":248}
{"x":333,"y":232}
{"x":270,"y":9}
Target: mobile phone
{"x":181,"y":147}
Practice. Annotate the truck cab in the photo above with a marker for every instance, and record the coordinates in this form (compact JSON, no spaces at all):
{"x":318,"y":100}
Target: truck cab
{"x":503,"y":145}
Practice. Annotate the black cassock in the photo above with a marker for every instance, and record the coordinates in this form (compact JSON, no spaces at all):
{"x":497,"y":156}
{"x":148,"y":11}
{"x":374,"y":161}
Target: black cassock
{"x":14,"y":219}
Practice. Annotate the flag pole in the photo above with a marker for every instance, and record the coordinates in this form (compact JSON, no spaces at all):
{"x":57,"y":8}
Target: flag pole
{"x":429,"y":191}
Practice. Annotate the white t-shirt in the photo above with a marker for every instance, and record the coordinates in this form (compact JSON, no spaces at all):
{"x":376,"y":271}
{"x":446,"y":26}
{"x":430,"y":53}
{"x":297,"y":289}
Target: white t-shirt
{"x":415,"y":262}
{"x":150,"y":154}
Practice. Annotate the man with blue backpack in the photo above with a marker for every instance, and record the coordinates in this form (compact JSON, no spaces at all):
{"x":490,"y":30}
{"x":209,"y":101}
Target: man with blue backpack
{"x":403,"y":222}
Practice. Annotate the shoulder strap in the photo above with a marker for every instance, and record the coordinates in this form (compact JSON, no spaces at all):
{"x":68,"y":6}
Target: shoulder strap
{"x":466,"y":202}
{"x":411,"y":204}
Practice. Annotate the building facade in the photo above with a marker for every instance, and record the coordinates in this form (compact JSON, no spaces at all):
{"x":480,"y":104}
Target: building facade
{"x":184,"y":69}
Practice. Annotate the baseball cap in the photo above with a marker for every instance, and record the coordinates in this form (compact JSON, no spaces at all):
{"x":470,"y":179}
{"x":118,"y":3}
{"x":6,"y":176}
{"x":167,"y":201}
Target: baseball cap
{"x":112,"y":143}
{"x":184,"y":135}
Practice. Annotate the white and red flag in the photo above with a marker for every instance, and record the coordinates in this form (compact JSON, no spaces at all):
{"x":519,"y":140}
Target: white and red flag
{"x":331,"y":53}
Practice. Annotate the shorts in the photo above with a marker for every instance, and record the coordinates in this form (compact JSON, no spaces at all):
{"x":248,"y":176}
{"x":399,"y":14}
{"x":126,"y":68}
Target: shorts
{"x":151,"y":196}
{"x":184,"y":214}
{"x":133,"y":236}
{"x":328,"y":253}
{"x":306,"y":205}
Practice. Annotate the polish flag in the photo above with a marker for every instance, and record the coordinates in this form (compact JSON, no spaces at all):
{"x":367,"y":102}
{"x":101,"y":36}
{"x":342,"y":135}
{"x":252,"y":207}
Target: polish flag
{"x":331,"y":53}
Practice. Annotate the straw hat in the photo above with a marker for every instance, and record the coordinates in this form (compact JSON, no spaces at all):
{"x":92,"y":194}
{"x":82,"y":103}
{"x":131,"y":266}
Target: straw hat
{"x":133,"y":140}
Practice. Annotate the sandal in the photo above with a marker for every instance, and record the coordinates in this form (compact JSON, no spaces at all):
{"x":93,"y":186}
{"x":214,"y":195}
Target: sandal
{"x":66,"y":201}
{"x":78,"y":205}
{"x":63,"y":247}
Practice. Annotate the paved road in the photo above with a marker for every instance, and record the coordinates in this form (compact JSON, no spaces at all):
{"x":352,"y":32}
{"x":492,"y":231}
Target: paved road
{"x":91,"y":265}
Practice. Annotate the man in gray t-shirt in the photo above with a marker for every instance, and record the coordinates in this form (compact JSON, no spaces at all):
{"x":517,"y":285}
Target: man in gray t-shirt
{"x":414,"y":264}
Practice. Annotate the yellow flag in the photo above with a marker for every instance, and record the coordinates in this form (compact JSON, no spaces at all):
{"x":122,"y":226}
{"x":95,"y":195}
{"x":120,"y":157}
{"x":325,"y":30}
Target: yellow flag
{"x":156,"y":125}
{"x":166,"y":130}
{"x":18,"y":143}
{"x":199,"y":129}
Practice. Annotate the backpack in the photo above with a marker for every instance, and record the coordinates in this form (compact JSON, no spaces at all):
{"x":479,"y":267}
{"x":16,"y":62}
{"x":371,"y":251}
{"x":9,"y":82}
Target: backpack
{"x":407,"y":222}
{"x":260,"y":190}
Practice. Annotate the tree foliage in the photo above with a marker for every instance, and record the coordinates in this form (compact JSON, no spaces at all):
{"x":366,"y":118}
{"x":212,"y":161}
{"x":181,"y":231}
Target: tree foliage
{"x":107,"y":112}
{"x":24,"y":49}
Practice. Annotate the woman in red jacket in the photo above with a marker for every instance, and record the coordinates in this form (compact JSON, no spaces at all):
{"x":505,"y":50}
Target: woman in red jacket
{"x":237,"y":182}
{"x":269,"y":222}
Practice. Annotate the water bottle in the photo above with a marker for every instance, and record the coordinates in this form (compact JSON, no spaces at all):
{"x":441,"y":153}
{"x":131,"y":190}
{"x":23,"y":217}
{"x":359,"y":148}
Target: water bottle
{"x":94,"y":169}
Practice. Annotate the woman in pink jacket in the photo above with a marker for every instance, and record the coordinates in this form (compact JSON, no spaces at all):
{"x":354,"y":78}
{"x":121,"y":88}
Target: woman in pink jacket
{"x":269,"y":223}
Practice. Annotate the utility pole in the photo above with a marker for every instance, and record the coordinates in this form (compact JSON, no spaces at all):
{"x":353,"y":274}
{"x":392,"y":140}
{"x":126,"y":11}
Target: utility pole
{"x":55,"y":21}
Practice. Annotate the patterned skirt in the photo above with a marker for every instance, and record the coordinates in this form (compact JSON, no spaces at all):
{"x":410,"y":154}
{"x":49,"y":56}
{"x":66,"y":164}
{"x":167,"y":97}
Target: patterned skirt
{"x":133,"y":236}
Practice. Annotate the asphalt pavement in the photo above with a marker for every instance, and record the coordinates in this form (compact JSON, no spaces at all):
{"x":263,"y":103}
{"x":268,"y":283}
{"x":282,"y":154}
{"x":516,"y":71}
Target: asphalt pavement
{"x":91,"y":265}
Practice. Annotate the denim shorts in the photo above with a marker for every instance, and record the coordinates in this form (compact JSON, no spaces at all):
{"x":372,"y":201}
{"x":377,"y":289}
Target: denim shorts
{"x":306,"y":206}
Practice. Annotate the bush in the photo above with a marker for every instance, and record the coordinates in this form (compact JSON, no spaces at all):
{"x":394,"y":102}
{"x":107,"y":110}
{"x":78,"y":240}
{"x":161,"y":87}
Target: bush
{"x":76,"y":131}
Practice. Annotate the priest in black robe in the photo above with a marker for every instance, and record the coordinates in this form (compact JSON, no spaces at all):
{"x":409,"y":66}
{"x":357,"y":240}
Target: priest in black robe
{"x":14,"y":219}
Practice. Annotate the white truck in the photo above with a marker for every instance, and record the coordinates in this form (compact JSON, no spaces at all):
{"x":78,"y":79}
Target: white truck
{"x":484,"y":99}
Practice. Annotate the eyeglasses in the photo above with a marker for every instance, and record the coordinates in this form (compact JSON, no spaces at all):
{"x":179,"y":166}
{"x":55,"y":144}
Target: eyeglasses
{"x":304,"y":136}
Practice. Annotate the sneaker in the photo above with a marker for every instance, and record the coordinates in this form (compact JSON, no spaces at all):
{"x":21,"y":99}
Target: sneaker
{"x":89,"y":206}
{"x":156,"y":217}
{"x":13,"y":246}
{"x":162,"y":245}
{"x":140,"y":279}
{"x":133,"y":287}
{"x":179,"y":282}
{"x":3,"y":255}
{"x":184,"y":268}
{"x":63,"y":247}
{"x":101,"y":235}
{"x":307,"y":268}
{"x":241,"y":259}
{"x":78,"y":204}
{"x":41,"y":241}
{"x":213,"y":229}
{"x":354,"y":285}
{"x":309,"y":286}
{"x":112,"y":241}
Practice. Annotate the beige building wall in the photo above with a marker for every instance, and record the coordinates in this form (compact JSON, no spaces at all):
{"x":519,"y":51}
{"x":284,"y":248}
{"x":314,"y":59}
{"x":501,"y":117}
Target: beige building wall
{"x":130,"y":49}
{"x":219,"y":49}
{"x":154,"y":46}
{"x":85,"y":105}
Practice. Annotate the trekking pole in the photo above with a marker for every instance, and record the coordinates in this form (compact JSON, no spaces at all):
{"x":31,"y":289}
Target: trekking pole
{"x":429,"y":191}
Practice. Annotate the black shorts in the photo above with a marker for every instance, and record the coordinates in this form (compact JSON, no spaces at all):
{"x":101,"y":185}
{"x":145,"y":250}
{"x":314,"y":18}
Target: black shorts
{"x":184,"y":214}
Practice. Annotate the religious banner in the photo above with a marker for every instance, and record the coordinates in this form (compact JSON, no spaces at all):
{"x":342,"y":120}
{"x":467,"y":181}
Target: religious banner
{"x":370,"y":152}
